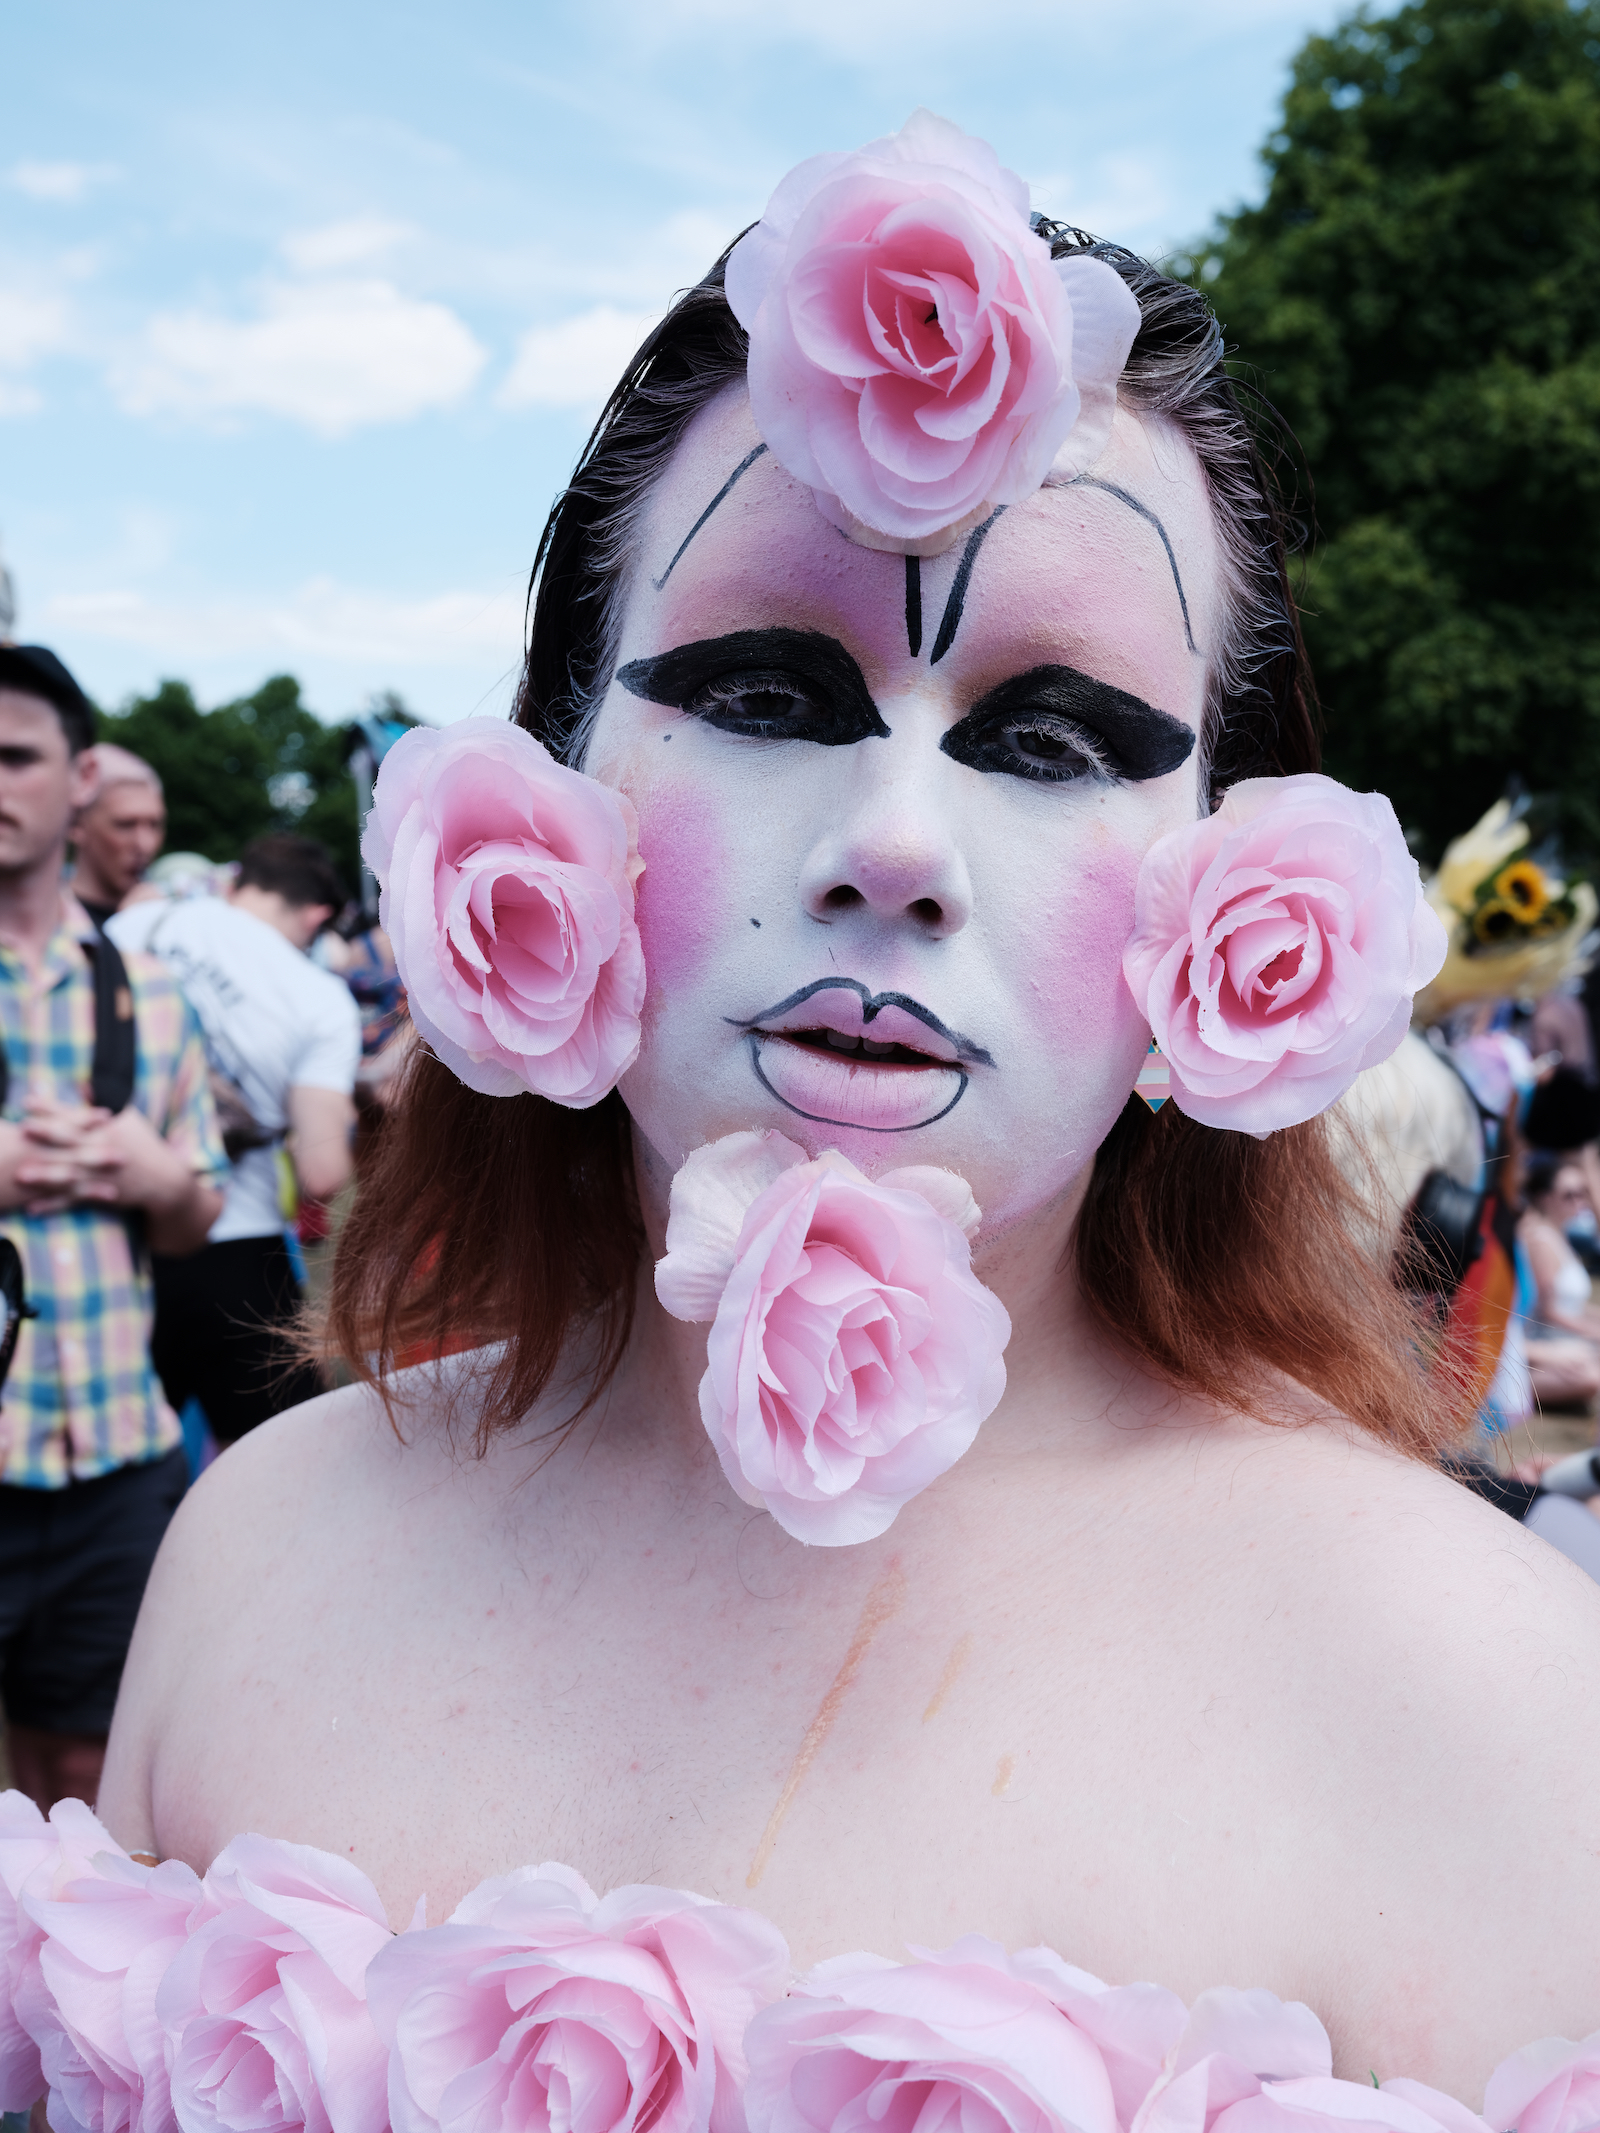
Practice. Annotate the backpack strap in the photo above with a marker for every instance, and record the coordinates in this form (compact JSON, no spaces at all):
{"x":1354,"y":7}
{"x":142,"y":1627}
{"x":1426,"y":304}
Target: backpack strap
{"x":116,"y":1037}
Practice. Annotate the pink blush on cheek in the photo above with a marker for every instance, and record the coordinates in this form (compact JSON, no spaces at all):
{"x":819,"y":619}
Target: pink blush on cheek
{"x":683,"y":888}
{"x":1083,"y":1000}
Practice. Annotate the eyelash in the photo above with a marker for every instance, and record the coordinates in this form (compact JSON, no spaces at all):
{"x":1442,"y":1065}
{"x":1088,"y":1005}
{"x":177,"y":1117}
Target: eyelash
{"x":724,"y":690}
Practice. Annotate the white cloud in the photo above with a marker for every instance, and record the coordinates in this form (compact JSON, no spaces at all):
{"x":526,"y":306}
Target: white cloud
{"x":333,"y":355}
{"x":359,"y":241}
{"x":61,"y":183}
{"x":320,"y":618}
{"x":31,"y":325}
{"x":576,"y":363}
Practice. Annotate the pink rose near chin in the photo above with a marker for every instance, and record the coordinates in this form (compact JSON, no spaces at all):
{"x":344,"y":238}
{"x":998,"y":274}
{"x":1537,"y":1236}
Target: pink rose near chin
{"x":1553,"y":2087}
{"x":508,"y":885}
{"x":916,"y":357}
{"x":540,"y":2009}
{"x":853,"y":1354}
{"x":263,"y":2008}
{"x":1276,"y":949}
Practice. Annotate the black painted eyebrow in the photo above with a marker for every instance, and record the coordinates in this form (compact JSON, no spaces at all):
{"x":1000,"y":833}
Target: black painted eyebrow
{"x":1143,"y":742}
{"x":743,"y":467}
{"x":1090,"y":481}
{"x":677,"y":677}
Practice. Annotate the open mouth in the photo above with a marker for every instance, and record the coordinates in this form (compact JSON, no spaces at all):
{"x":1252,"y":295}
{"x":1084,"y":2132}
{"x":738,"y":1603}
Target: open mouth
{"x":843,"y":1055}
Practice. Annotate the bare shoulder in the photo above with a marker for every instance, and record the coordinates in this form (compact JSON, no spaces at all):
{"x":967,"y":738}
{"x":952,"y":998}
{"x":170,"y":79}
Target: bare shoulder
{"x":1443,"y":1665}
{"x":302,"y":1490}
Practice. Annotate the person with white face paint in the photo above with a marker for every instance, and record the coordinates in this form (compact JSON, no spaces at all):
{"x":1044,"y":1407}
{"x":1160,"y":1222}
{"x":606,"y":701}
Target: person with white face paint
{"x":907,"y":1441}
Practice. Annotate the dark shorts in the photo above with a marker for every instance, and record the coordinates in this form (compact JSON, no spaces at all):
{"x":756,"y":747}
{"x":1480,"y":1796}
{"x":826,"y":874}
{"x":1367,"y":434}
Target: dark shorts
{"x":73,"y":1565}
{"x":223,"y":1334}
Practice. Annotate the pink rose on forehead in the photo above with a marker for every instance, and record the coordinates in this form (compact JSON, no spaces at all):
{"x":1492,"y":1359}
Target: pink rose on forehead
{"x":541,"y":2009}
{"x":1276,"y":949}
{"x":965,"y":2040}
{"x":264,"y":2008}
{"x":508,"y":895}
{"x":853,"y":1353}
{"x":916,"y":357}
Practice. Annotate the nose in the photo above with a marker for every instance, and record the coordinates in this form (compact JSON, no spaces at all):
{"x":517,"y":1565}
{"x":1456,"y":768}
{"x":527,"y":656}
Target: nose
{"x":891,"y":853}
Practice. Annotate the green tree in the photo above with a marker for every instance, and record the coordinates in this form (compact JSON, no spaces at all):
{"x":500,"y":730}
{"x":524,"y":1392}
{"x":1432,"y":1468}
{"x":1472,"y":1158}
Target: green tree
{"x":263,"y":762}
{"x":1419,"y":294}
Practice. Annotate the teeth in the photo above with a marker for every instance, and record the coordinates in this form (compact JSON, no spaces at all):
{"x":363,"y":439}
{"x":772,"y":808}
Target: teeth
{"x":876,"y":1051}
{"x":840,"y":1043}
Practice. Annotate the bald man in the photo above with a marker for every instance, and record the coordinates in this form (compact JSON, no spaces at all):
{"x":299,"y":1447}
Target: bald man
{"x":118,"y":831}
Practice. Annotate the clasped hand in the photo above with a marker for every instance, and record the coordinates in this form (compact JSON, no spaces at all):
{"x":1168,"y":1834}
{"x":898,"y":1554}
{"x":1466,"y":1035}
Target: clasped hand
{"x":64,"y":1155}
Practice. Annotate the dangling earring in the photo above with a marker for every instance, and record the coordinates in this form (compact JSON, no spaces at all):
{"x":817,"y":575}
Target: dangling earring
{"x":1154,"y":1085}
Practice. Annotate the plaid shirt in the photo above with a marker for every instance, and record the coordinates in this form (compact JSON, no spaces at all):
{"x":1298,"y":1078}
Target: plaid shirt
{"x":82,"y":1398}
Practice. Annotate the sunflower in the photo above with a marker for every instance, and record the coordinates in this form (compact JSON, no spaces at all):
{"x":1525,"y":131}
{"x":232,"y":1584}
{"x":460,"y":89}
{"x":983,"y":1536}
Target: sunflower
{"x":1496,"y":923}
{"x":1523,"y":887}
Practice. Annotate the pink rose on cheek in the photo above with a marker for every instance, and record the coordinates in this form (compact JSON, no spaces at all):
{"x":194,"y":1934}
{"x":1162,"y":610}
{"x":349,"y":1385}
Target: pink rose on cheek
{"x":264,"y":2008}
{"x":961,"y":2040}
{"x":1276,"y":949}
{"x":508,"y":895}
{"x":916,"y":357}
{"x":538,"y":2009}
{"x":853,"y":1354}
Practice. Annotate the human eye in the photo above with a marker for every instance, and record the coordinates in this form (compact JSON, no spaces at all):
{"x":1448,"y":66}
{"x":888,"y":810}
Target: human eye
{"x":1039,"y":745}
{"x":762,"y":707}
{"x":765,"y":685}
{"x":1055,"y":726}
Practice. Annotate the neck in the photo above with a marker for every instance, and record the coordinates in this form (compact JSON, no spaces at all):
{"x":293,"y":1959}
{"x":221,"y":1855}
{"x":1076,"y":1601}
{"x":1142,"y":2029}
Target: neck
{"x":266,"y":905}
{"x":90,"y":885}
{"x":30,"y":905}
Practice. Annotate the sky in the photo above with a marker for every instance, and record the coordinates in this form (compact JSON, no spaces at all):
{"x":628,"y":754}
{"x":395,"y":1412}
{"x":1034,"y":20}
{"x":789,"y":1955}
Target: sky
{"x":305,"y":311}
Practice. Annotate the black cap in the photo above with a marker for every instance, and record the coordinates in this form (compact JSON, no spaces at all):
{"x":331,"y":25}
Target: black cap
{"x":35,"y":671}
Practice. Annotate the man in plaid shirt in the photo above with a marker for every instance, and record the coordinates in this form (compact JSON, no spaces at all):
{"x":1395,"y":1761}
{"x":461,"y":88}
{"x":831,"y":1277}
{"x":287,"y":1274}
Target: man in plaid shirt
{"x":91,"y":1464}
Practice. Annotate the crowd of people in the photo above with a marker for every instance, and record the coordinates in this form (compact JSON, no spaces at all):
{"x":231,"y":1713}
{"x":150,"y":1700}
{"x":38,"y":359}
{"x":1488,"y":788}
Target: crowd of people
{"x":182,"y":1061}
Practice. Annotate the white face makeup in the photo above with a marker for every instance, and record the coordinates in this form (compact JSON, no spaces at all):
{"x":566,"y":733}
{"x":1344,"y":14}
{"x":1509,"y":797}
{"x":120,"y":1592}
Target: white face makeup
{"x":892,"y":813}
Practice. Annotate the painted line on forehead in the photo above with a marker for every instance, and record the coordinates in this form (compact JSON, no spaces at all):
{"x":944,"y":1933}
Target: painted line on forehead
{"x":914,"y":604}
{"x":950,"y":620}
{"x":1090,"y":481}
{"x":743,"y":467}
{"x":872,"y":1005}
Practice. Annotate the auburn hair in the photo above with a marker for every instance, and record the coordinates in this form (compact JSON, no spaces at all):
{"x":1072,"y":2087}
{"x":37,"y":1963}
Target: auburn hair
{"x":1222,"y":1263}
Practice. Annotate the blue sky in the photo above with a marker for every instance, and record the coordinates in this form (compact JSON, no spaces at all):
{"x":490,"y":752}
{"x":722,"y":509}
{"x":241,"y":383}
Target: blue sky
{"x":304,"y":310}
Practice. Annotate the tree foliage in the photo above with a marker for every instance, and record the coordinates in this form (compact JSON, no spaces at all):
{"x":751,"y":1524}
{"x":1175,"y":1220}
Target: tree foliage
{"x":263,"y":762}
{"x":1419,"y":294}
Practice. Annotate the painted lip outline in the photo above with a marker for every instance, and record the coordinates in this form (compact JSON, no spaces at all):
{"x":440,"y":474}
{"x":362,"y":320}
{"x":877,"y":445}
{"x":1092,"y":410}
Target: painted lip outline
{"x":853,"y":1010}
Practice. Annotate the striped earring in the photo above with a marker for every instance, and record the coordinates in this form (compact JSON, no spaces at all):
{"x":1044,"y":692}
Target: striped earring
{"x":1154,"y":1085}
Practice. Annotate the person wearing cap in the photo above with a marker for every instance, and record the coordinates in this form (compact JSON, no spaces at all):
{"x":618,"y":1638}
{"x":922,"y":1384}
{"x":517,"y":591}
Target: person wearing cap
{"x":91,"y":1465}
{"x":118,"y":831}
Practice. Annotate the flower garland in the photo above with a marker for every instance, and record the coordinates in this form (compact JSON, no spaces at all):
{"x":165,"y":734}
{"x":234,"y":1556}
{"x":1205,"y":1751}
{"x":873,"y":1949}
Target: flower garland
{"x":270,"y":1996}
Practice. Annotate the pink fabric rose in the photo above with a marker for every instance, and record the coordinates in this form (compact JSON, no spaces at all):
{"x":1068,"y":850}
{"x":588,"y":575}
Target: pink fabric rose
{"x":540,"y":2009}
{"x":508,"y":895}
{"x":853,"y":1353}
{"x":916,"y":357}
{"x":964,"y":2039}
{"x":1276,"y":949}
{"x":27,"y":1841}
{"x":264,"y":2007}
{"x":1551,"y":2087}
{"x":1248,"y":2062}
{"x":103,"y":1929}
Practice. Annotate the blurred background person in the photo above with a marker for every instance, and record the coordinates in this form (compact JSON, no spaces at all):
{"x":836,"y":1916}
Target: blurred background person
{"x":284,"y":1041}
{"x":118,"y":831}
{"x":1563,"y":1327}
{"x":108,"y":1144}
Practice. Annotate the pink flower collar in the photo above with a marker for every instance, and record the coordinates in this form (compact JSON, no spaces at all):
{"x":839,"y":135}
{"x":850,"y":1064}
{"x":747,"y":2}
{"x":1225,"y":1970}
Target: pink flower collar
{"x":916,"y":357}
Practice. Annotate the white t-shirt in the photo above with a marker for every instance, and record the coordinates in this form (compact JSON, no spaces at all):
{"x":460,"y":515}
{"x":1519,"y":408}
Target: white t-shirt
{"x":272,"y":1019}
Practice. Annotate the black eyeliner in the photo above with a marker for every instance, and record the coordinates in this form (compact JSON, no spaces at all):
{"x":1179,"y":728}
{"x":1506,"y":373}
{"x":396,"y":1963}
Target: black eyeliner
{"x":817,"y":666}
{"x":1143,"y":742}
